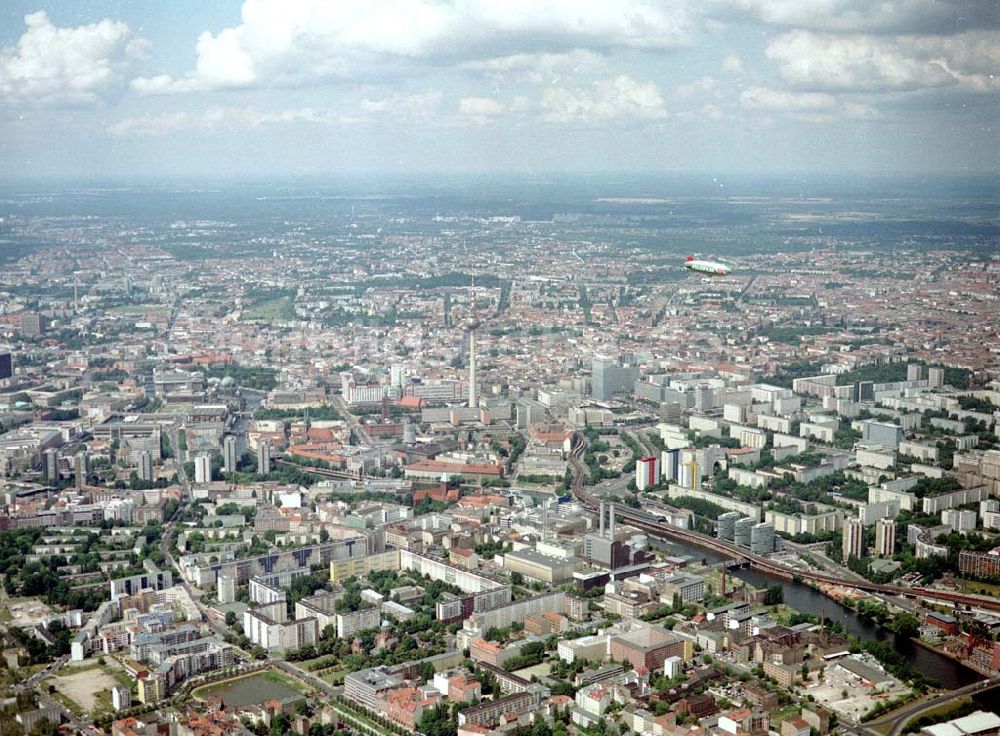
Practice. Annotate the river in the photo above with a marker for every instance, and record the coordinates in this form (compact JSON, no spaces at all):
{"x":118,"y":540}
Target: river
{"x":948,"y":673}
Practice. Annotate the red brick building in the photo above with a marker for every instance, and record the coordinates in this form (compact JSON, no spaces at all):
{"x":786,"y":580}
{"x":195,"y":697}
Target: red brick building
{"x":947,"y":624}
{"x":646,"y":645}
{"x":405,"y":705}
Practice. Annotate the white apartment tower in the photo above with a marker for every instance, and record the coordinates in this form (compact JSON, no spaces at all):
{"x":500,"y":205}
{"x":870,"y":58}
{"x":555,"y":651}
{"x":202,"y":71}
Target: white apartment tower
{"x":203,"y":468}
{"x":854,"y":539}
{"x":885,"y":537}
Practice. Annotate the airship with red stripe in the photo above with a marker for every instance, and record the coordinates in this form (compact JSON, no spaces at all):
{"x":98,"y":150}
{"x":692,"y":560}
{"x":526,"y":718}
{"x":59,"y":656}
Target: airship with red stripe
{"x":712,"y":268}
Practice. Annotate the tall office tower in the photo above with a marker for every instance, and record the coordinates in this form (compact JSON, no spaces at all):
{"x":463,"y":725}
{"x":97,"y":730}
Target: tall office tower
{"x":608,"y":377}
{"x":473,"y":326}
{"x":447,"y":310}
{"x":32,"y":324}
{"x":914,"y":372}
{"x":145,"y":466}
{"x":397,"y":376}
{"x":229,"y":456}
{"x":600,"y":377}
{"x":80,"y":469}
{"x":854,"y":539}
{"x":935,"y":377}
{"x":6,"y":366}
{"x":885,"y":537}
{"x":203,"y":468}
{"x":52,"y":465}
{"x":264,"y":457}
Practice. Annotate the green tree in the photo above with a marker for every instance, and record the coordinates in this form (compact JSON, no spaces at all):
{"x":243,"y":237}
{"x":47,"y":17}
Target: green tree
{"x":437,"y":721}
{"x":279,"y":725}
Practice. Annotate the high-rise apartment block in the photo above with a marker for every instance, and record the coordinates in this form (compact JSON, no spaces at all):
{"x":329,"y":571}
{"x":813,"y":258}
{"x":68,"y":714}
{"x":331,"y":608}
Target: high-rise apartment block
{"x":230,"y":457}
{"x":885,"y":537}
{"x":264,"y":457}
{"x":854,"y":539}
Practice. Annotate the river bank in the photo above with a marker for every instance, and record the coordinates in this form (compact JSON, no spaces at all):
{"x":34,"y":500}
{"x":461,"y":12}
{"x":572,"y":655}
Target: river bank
{"x":941,"y":651}
{"x":947,"y":672}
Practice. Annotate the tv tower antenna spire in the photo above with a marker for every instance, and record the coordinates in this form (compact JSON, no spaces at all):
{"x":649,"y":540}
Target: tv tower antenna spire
{"x":473,"y":326}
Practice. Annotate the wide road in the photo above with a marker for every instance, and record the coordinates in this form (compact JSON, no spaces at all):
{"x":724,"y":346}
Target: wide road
{"x":193,"y":593}
{"x":42,"y":674}
{"x":325,"y":687}
{"x":899,"y":718}
{"x":353,"y":423}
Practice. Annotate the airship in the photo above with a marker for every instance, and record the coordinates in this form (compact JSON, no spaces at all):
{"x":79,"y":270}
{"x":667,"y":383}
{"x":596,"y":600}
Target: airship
{"x":712,"y":268}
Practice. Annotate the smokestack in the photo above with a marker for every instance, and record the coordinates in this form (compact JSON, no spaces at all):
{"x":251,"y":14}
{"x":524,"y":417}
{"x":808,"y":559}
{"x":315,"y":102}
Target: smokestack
{"x":600,"y":515}
{"x":611,"y":521}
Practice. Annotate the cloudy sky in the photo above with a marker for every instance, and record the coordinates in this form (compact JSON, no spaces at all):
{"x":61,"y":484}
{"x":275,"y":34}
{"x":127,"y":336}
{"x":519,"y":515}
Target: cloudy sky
{"x":187,"y":87}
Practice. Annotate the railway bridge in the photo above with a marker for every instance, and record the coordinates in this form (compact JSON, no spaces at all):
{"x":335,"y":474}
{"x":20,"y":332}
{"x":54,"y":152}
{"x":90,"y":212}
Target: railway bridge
{"x":649,"y":524}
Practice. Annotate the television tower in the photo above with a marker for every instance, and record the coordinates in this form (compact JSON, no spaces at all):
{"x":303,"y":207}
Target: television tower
{"x":473,"y":326}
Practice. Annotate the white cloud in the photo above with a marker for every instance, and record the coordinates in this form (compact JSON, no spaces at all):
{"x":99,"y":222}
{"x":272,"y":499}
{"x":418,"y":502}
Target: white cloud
{"x":542,"y":68}
{"x":870,"y":16}
{"x":877,"y":63}
{"x":733,"y":65}
{"x":368,"y":111}
{"x":219,"y":119}
{"x":709,"y":112}
{"x":811,"y":107}
{"x":619,"y":98}
{"x":81,"y":65}
{"x":697,"y":87}
{"x":146,"y":125}
{"x":291,"y":41}
{"x":779,"y":100}
{"x":480,"y":110}
{"x":480,"y":106}
{"x":412,"y":107}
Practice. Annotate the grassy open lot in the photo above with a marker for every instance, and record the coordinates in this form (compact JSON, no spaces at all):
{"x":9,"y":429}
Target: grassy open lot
{"x":789,"y":711}
{"x":81,"y":689}
{"x":25,"y":611}
{"x":335,"y":676}
{"x":138,"y":308}
{"x":978,"y":587}
{"x":5,"y":614}
{"x":271,"y":310}
{"x":541,"y":669}
{"x":282,"y":679}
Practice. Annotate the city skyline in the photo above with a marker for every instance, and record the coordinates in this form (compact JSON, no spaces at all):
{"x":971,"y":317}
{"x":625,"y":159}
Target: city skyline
{"x":522,"y":368}
{"x":110,"y":89}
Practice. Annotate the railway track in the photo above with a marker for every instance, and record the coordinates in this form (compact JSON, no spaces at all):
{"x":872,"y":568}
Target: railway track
{"x":641,"y":520}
